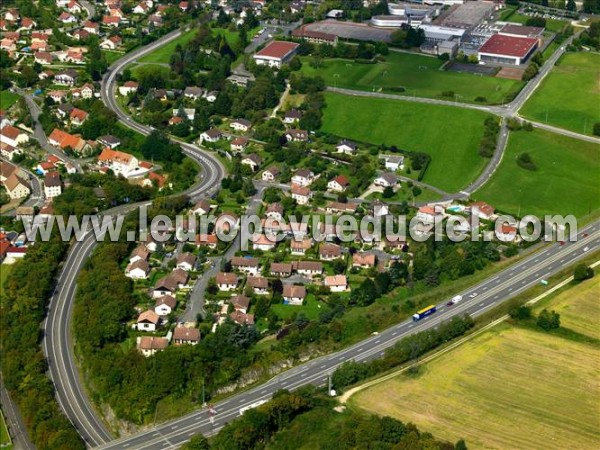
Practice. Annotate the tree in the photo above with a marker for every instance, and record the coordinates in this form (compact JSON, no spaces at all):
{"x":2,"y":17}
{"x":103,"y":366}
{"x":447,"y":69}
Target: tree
{"x":597,"y":128}
{"x":591,"y":6}
{"x":521,"y":313}
{"x":388,"y":192}
{"x":548,"y":320}
{"x":582,"y":272}
{"x":571,"y":6}
{"x":460,"y":445}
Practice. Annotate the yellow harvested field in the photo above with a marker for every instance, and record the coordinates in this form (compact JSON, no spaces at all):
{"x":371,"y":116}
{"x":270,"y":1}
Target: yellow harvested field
{"x":582,"y":312}
{"x":509,"y":388}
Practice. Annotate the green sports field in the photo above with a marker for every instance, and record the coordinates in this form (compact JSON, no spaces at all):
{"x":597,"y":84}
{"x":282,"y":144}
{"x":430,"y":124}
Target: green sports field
{"x":569,"y":97}
{"x":418,"y":74}
{"x":450,"y":135}
{"x":565,"y":182}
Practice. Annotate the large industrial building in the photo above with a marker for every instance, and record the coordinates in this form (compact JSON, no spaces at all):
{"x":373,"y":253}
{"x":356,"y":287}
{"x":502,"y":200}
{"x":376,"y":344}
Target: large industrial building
{"x":276,"y":53}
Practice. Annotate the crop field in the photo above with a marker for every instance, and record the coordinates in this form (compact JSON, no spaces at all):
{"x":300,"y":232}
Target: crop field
{"x":570,"y":94}
{"x":419,"y":75}
{"x":510,"y":387}
{"x":552,"y":188}
{"x":449,"y":135}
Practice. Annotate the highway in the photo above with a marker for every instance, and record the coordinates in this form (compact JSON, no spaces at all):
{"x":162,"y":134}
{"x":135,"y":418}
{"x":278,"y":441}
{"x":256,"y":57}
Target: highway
{"x":491,"y":292}
{"x":58,"y":345}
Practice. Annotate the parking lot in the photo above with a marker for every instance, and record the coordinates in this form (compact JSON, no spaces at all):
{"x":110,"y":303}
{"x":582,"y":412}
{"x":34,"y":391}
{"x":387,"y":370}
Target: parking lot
{"x":350,"y":30}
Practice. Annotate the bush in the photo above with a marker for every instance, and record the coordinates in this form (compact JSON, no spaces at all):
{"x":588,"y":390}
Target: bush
{"x":548,"y":320}
{"x":520,"y":313}
{"x":525,"y":161}
{"x":514,"y":124}
{"x":597,"y":128}
{"x":448,"y":94}
{"x":583,"y":272}
{"x":481,"y":99}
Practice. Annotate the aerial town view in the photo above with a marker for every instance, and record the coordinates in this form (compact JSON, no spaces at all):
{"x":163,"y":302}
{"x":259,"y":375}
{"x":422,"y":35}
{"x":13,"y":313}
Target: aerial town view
{"x":300,"y":224}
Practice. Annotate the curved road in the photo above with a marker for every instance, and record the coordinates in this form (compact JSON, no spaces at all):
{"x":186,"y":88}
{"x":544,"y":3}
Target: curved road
{"x":58,"y":345}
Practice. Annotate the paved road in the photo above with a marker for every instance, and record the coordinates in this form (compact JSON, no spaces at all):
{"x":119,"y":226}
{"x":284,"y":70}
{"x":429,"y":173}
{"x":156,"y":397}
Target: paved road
{"x":58,"y":345}
{"x":491,"y":292}
{"x":39,"y":134}
{"x":16,"y":427}
{"x":90,"y":9}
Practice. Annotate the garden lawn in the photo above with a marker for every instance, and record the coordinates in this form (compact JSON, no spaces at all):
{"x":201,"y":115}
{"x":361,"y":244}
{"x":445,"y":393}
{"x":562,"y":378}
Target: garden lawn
{"x":449,"y":135}
{"x":7,"y":99}
{"x":569,"y":97}
{"x":163,"y":54}
{"x":419,"y":75}
{"x":311,"y":309}
{"x":565,"y":182}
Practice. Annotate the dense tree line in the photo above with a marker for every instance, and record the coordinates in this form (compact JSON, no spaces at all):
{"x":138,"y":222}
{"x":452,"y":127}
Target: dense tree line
{"x":489,"y":140}
{"x":405,"y":350}
{"x":24,"y":366}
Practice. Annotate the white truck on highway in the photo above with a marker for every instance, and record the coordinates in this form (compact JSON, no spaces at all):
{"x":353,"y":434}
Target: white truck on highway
{"x":455,"y":300}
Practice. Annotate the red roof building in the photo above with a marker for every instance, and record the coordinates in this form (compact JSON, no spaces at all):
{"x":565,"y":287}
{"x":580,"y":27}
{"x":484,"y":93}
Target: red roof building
{"x":276,"y":53}
{"x":507,"y":49}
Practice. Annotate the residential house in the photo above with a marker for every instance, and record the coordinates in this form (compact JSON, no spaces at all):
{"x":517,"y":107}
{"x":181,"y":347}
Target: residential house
{"x":66,"y":77}
{"x":270,"y":174}
{"x":17,"y":187}
{"x":292,"y":116}
{"x":329,"y":252}
{"x":239,"y":143}
{"x":185,"y":113}
{"x":309,"y":268}
{"x":430,"y":213}
{"x":241,"y":125}
{"x":293,"y":295}
{"x":201,"y":207}
{"x":482,"y":210}
{"x":111,"y":21}
{"x":244,"y":264}
{"x":128,"y":87}
{"x":141,"y":8}
{"x":140,"y":253}
{"x":281,"y":269}
{"x":57,"y":96}
{"x":186,"y":261}
{"x":337,"y":207}
{"x":226,"y":281}
{"x":274,"y":211}
{"x":387,"y":179}
{"x":111,"y":43}
{"x":300,"y":247}
{"x":119,"y":162}
{"x":242,"y":319}
{"x":294,"y":135}
{"x":336,"y":283}
{"x":87,"y":91}
{"x":78,"y":116}
{"x":212,"y":135}
{"x":303,"y":177}
{"x":52,"y":185}
{"x":186,"y":336}
{"x":346,"y":147}
{"x":207,"y":240}
{"x":338,"y":184}
{"x":240,"y":303}
{"x":193,"y":92}
{"x":364,"y":260}
{"x":13,"y":136}
{"x":165,"y":286}
{"x":506,"y":233}
{"x":301,"y":194}
{"x":180,"y":276}
{"x":43,"y":58}
{"x":138,"y":270}
{"x":394,"y":163}
{"x":149,"y":345}
{"x":8,"y":151}
{"x":263,"y":242}
{"x":109,"y":141}
{"x":67,"y":18}
{"x":253,"y":161}
{"x":165,"y":305}
{"x":148,"y":321}
{"x":259,"y":285}
{"x":380,"y":209}
{"x":91,"y":27}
